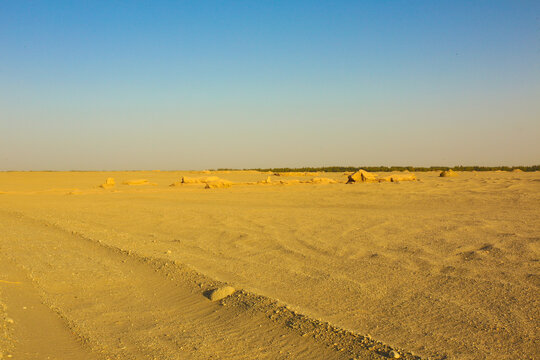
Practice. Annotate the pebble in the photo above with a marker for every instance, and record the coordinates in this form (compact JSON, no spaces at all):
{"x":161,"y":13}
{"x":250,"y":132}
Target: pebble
{"x":394,"y":354}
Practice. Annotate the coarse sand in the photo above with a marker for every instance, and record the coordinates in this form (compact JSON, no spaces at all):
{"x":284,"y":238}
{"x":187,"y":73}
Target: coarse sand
{"x":436,"y":268}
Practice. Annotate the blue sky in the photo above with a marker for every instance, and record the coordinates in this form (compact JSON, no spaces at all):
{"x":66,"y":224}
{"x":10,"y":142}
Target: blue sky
{"x":205,"y":84}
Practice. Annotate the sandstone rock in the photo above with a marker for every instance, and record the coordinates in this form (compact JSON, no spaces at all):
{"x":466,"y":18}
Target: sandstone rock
{"x":362,"y":176}
{"x":218,"y":184}
{"x":448,"y":173}
{"x":109,"y":183}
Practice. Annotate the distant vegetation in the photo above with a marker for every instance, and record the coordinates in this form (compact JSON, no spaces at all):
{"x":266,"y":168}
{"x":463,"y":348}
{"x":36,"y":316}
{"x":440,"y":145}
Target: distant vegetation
{"x":399,"y":168}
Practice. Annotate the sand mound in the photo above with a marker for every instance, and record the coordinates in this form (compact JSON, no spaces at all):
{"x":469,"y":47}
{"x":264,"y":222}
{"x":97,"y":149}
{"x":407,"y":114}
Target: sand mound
{"x":318,"y":180}
{"x":362,"y":176}
{"x":137,"y":182}
{"x":200,"y":180}
{"x":517,"y":170}
{"x":218,"y":184}
{"x":448,"y":173}
{"x":399,"y":177}
{"x":212,"y":182}
{"x":109,"y":183}
{"x":220,"y":293}
{"x":295,"y":173}
{"x":289,"y":182}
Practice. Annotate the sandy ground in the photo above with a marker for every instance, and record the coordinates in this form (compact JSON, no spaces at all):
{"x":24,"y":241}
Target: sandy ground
{"x":436,"y":268}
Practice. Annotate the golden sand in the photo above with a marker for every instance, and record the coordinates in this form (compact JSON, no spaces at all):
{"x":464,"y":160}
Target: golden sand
{"x":434,"y":268}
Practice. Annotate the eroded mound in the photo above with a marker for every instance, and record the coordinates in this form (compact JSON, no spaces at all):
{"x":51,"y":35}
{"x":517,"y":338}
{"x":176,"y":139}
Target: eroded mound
{"x":362,"y":176}
{"x":448,"y":173}
{"x":399,"y":177}
{"x":137,"y":182}
{"x":318,"y":180}
{"x":186,"y":180}
{"x":109,"y":183}
{"x":218,"y":184}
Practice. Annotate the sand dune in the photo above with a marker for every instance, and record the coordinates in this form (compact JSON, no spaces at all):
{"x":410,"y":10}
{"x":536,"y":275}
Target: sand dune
{"x":435,"y":268}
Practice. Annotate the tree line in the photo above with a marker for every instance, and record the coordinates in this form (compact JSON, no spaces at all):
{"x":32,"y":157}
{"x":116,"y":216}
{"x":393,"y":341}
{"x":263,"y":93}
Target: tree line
{"x":397,"y":168}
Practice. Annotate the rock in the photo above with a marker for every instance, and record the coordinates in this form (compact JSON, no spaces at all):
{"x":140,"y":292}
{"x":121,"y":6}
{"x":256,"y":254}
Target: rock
{"x":221,"y":293}
{"x":216,"y":181}
{"x":448,"y":173}
{"x":201,"y":180}
{"x":218,"y":184}
{"x":399,"y":177}
{"x":362,"y":176}
{"x":394,"y":354}
{"x":267,"y":181}
{"x":109,"y":183}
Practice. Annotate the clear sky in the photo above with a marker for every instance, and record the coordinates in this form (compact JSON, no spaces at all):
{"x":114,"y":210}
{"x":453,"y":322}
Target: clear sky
{"x":96,"y":85}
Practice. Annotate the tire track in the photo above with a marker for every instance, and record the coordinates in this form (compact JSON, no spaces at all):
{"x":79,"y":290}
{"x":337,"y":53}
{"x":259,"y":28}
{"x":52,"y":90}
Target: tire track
{"x":124,"y":306}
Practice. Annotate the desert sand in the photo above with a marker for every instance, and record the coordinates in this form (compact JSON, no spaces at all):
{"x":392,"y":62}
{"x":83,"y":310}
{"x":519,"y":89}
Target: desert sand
{"x":97,"y":265}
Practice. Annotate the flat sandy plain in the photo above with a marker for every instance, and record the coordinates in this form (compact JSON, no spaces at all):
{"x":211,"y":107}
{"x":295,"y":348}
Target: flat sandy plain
{"x":440,"y":268}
